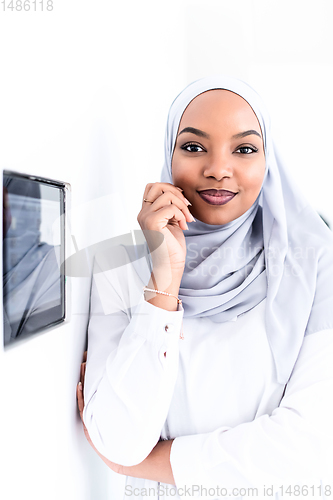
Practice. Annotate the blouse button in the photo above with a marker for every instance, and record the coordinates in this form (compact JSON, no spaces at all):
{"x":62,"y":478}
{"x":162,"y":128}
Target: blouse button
{"x":163,"y":353}
{"x":169,"y":328}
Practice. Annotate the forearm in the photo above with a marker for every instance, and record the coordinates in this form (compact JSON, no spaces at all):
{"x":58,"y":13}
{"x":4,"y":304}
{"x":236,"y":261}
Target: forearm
{"x":156,"y":466}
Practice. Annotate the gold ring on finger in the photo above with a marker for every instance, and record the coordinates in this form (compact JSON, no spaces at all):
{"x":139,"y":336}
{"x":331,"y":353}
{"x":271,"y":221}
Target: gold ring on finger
{"x":147,"y":201}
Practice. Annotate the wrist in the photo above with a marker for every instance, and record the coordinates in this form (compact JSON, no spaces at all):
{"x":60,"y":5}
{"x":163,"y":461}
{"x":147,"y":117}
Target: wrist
{"x":164,"y":278}
{"x":155,"y":292}
{"x":162,"y":294}
{"x":165,"y":300}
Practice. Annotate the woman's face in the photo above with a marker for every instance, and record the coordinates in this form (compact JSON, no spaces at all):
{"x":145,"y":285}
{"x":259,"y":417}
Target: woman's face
{"x":219,"y":147}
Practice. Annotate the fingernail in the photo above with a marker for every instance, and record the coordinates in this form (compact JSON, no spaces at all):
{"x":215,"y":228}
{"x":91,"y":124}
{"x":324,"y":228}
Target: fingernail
{"x":80,"y":385}
{"x":188,"y":203}
{"x":193,"y":219}
{"x":186,"y":225}
{"x":180,"y":189}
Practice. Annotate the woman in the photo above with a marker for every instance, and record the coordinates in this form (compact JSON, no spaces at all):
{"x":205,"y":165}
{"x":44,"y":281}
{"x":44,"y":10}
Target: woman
{"x":244,"y":400}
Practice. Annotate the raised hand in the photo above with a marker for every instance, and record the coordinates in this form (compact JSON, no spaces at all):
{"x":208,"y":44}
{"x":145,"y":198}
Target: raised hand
{"x":165,"y":210}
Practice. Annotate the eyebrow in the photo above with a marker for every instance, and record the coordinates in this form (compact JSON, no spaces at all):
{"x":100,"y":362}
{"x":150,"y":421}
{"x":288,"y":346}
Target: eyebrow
{"x":244,"y":134}
{"x":200,"y":133}
{"x":195,"y":131}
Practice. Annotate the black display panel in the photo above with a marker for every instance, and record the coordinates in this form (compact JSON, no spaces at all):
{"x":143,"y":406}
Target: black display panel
{"x":33,"y":249}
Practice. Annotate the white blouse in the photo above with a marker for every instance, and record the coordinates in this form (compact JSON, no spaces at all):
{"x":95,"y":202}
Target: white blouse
{"x":237,"y":431}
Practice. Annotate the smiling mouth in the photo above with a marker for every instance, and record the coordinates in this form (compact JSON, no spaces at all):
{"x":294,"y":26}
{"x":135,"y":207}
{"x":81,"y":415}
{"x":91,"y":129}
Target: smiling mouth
{"x":216,"y":196}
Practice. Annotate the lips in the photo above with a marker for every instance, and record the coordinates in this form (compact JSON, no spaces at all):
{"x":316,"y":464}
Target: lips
{"x":216,"y":196}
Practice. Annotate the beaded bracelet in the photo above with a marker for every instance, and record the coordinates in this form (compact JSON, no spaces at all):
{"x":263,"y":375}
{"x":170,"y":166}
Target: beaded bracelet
{"x":146,"y":289}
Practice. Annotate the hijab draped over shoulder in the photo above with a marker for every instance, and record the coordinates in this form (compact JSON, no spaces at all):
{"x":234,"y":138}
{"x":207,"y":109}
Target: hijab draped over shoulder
{"x":280,"y":249}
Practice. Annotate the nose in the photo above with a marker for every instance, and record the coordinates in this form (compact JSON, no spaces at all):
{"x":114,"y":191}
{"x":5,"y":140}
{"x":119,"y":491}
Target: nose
{"x":218,"y":165}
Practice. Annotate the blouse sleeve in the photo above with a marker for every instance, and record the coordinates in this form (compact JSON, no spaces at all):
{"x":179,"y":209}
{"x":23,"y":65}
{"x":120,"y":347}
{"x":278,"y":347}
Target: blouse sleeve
{"x":293,"y":445}
{"x":131,"y":371}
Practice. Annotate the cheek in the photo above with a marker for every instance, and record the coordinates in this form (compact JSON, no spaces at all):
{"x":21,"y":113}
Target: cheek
{"x":254,"y":177}
{"x":174,"y":168}
{"x":181,"y":171}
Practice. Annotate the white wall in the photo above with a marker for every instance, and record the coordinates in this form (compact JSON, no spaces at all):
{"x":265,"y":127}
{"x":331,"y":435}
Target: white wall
{"x":84,"y":95}
{"x":284,"y":50}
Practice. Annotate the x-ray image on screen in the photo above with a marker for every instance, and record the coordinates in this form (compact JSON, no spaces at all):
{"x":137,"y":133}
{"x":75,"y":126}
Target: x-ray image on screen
{"x":33,"y":287}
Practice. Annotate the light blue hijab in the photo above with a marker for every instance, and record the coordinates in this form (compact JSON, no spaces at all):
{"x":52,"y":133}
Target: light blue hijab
{"x":279,"y":249}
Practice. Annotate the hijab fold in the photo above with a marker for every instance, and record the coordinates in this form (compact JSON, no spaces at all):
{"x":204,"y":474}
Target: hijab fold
{"x":280,"y":249}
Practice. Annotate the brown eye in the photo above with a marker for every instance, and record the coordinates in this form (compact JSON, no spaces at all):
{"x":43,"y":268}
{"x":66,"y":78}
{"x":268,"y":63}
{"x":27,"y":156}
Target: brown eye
{"x":192,"y":147}
{"x":246,"y":150}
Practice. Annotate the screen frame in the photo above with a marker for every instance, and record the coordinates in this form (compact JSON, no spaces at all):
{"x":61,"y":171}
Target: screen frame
{"x":64,"y":190}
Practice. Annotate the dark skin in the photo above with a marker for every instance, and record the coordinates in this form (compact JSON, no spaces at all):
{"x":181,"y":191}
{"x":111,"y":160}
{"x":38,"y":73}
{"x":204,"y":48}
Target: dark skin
{"x":219,"y":146}
{"x":155,"y":467}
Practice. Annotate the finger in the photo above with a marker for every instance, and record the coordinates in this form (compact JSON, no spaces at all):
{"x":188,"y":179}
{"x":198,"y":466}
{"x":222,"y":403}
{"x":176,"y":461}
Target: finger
{"x":80,"y":399}
{"x":82,"y":372}
{"x":170,"y":214}
{"x":155,"y":190}
{"x":84,"y":358}
{"x":158,"y":188}
{"x":169,"y":198}
{"x":80,"y":404}
{"x":147,"y":189}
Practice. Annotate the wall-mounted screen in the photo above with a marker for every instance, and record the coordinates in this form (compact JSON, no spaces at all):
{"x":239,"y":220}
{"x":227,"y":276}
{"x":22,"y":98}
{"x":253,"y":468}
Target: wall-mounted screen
{"x":33,"y":248}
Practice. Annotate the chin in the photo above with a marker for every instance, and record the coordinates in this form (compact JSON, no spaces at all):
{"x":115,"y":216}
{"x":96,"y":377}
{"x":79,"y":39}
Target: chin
{"x":215,"y":215}
{"x":214,"y":220}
